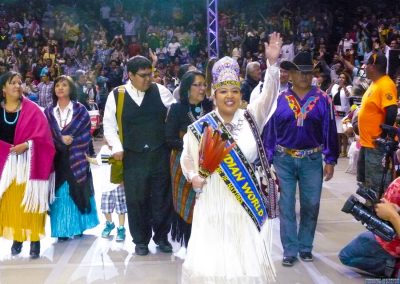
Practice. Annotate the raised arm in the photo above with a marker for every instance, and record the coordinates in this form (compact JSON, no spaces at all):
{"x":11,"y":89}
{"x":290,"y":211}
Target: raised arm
{"x":264,"y":105}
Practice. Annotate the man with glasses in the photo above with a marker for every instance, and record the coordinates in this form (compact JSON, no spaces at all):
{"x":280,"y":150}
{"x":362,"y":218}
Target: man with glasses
{"x":135,"y":129}
{"x":299,"y":137}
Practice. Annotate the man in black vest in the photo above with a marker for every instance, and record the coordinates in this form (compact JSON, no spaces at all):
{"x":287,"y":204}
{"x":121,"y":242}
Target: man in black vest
{"x":144,"y":154}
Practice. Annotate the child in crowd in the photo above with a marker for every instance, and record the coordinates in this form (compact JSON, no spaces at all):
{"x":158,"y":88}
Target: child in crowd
{"x":113,"y":196}
{"x":354,"y":149}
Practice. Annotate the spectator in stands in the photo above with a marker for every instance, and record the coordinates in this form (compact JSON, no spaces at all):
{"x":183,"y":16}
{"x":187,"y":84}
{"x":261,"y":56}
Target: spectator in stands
{"x":172,"y":48}
{"x":70,"y":67}
{"x":80,"y":79}
{"x":340,"y":93}
{"x":134,"y":47}
{"x":29,"y":89}
{"x":45,"y":88}
{"x":253,"y":76}
{"x":114,"y":73}
{"x":182,"y":71}
{"x":102,"y":54}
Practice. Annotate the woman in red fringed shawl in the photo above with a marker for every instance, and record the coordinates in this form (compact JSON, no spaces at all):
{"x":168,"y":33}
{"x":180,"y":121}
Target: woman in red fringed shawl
{"x":74,"y":208}
{"x":26,"y":167}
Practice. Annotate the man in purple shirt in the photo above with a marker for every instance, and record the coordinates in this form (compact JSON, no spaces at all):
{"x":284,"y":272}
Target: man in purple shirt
{"x":300,"y":132}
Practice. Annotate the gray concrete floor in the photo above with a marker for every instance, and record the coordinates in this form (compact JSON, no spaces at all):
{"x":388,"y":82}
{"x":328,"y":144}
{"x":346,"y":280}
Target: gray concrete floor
{"x":92,"y":259}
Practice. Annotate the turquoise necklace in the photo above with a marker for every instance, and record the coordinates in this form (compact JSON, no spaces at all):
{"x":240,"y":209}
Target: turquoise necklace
{"x":10,"y":122}
{"x":5,"y":117}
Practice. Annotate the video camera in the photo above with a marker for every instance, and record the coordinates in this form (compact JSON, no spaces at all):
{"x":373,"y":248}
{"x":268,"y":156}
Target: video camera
{"x":389,"y":144}
{"x":365,"y":213}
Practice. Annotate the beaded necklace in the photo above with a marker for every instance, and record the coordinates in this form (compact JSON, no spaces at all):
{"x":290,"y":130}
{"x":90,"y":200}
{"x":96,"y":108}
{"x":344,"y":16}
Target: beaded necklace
{"x":17,"y":109}
{"x":199,"y":112}
{"x":62,"y":122}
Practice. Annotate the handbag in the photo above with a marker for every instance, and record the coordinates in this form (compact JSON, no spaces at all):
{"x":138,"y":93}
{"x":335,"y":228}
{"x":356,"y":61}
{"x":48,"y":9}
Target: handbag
{"x":117,"y":171}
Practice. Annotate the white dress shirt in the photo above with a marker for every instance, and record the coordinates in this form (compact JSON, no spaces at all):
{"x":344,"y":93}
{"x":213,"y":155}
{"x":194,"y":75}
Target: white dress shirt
{"x":110,"y":124}
{"x":64,"y":116}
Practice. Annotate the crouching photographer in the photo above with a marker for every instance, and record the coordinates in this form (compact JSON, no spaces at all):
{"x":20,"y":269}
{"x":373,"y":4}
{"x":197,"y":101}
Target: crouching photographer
{"x":370,"y":252}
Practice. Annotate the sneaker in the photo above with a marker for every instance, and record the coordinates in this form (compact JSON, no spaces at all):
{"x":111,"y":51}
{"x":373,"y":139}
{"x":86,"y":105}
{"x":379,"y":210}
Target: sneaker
{"x":120,"y":234}
{"x":107,"y":230}
{"x":306,"y":256}
{"x":289,"y":261}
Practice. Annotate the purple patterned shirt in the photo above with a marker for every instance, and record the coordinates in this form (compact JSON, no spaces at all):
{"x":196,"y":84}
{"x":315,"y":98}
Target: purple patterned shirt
{"x":303,"y":124}
{"x":45,"y":94}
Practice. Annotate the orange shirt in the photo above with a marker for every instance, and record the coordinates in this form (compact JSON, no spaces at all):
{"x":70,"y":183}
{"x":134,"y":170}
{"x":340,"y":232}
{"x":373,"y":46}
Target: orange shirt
{"x":380,"y":94}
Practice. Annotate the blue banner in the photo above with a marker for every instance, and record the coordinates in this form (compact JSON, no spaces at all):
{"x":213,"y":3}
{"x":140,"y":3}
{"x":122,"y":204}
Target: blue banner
{"x":237,"y":173}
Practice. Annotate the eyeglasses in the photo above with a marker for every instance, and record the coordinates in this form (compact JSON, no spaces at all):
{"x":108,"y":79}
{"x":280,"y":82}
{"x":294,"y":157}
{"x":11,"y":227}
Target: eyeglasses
{"x":200,"y":85}
{"x":145,"y":75}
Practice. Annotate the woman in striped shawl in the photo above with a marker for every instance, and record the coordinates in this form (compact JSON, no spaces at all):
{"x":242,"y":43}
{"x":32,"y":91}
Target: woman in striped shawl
{"x":74,"y":208}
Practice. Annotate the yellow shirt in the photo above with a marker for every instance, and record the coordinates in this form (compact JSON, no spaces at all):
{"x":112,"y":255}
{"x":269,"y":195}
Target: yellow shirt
{"x":379,"y":95}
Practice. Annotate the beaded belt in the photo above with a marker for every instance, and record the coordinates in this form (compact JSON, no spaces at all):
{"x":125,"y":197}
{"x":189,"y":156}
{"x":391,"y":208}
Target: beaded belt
{"x":298,"y":153}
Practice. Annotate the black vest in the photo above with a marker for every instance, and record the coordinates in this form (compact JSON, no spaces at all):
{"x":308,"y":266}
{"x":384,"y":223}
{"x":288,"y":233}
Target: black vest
{"x":144,"y":126}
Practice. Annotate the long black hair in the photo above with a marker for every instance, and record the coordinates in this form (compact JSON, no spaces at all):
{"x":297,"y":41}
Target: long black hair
{"x":184,"y":88}
{"x":72,"y":88}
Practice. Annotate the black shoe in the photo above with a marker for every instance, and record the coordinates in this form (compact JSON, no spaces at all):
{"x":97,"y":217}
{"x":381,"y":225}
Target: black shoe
{"x":62,"y":239}
{"x":35,"y":250}
{"x":16,"y":248}
{"x":165,"y":246}
{"x":289,"y":260}
{"x":141,"y":249}
{"x":306,"y":256}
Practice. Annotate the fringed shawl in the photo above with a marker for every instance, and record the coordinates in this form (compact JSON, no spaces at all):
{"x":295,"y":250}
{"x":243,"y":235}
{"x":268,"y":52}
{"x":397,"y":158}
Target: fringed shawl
{"x":35,"y":166}
{"x":79,"y":129}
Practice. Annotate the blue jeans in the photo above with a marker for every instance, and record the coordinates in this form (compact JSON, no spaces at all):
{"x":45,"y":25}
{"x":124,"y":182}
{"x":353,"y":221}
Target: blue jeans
{"x":307,"y":172}
{"x":365,"y":253}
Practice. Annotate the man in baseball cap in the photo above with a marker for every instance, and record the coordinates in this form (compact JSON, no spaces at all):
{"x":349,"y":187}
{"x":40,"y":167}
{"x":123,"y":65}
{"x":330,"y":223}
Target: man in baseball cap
{"x":378,"y":106}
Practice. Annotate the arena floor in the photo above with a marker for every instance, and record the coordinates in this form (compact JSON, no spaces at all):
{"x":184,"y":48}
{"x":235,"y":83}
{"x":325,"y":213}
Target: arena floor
{"x":92,"y":259}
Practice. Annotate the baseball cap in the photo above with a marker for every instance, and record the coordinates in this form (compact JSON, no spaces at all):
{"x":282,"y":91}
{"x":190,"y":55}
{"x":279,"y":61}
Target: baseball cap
{"x":377,"y":59}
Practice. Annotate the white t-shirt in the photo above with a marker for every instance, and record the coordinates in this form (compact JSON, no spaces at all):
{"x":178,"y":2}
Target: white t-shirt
{"x":347,"y":43}
{"x":287,"y":52}
{"x":172,"y":47}
{"x":105,"y":12}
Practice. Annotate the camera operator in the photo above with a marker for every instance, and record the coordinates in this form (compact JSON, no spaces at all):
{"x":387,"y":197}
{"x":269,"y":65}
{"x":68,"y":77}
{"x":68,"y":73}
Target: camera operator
{"x":369,"y":252}
{"x":379,"y":105}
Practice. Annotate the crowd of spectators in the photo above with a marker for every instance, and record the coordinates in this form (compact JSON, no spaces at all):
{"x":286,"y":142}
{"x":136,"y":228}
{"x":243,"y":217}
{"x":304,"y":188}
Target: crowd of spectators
{"x":91,"y":41}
